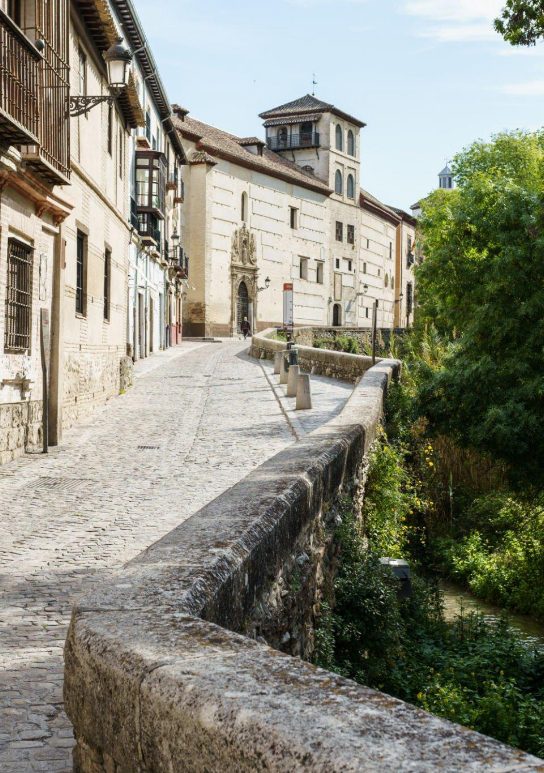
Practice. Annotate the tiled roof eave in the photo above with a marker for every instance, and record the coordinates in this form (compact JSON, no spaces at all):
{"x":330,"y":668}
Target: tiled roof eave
{"x":252,"y":162}
{"x":302,"y":118}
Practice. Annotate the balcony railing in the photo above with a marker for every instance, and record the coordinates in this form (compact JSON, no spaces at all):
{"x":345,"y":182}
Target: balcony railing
{"x":149,"y":229}
{"x":19,"y":67}
{"x":293,"y":141}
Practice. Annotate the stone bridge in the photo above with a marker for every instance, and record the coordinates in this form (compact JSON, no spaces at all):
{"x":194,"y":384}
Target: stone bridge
{"x":180,"y":658}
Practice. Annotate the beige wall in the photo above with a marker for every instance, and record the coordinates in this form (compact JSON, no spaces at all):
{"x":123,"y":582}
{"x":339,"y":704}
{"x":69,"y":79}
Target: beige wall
{"x":93,"y":346}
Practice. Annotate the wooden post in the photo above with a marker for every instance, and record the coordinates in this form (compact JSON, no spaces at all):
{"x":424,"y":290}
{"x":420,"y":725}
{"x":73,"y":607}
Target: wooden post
{"x":45,"y":346}
{"x":374,"y":330}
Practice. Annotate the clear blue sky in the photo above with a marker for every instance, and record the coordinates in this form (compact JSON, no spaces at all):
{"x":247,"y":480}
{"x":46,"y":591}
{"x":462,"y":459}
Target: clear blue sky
{"x":427,"y":76}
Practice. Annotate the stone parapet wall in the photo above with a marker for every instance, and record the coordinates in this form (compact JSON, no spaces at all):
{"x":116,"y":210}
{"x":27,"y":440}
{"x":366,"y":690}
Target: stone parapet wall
{"x":320,"y":362}
{"x":305,"y":336}
{"x":20,"y":428}
{"x":159,"y":675}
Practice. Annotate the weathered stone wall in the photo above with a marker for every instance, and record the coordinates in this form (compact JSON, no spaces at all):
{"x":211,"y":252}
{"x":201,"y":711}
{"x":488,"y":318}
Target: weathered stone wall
{"x":306,"y":336}
{"x":20,"y":428}
{"x":159,"y":678}
{"x":321,"y":362}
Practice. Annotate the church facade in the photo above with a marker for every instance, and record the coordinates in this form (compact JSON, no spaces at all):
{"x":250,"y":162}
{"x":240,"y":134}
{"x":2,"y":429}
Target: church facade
{"x":287,"y":209}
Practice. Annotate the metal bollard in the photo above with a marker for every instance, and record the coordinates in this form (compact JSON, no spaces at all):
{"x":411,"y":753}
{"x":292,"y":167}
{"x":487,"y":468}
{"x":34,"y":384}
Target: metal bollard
{"x":277,"y":362}
{"x":284,"y":365}
{"x":292,"y":380}
{"x":304,"y":393}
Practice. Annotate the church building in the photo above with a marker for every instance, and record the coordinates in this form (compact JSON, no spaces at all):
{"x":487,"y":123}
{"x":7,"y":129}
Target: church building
{"x":286,"y":209}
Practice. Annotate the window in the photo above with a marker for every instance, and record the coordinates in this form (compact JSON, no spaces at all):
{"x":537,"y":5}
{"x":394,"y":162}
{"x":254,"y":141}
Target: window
{"x":107,"y":284}
{"x":392,"y":282}
{"x":121,"y":150}
{"x":366,"y":312}
{"x":390,"y":250}
{"x":409,"y":298}
{"x":337,"y":263}
{"x":243,"y":207}
{"x":351,"y":143}
{"x":306,"y":132}
{"x":350,"y":236}
{"x":148,"y":125}
{"x":339,"y":231}
{"x":368,"y":244}
{"x":386,"y":280}
{"x":339,"y":137}
{"x":379,"y":272}
{"x":81,"y":260}
{"x":150,"y":180}
{"x":293,"y":217}
{"x":319,"y":273}
{"x":304,"y":268}
{"x":338,"y":183}
{"x":282,"y":137}
{"x":351,"y":187}
{"x":82,"y":73}
{"x":17,"y":336}
{"x":14,"y":11}
{"x":350,"y":265}
{"x":110,"y":129}
{"x":364,"y":268}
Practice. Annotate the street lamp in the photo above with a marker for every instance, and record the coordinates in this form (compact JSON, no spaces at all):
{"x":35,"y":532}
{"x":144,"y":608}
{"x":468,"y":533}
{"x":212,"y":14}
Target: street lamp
{"x":266,"y":285}
{"x":118,"y":59}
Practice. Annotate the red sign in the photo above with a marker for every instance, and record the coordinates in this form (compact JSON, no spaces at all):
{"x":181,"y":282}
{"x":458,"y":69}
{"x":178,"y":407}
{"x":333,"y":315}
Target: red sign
{"x":288,"y":286}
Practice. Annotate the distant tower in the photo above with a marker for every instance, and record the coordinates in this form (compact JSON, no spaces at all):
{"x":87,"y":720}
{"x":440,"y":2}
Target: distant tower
{"x":445,"y":178}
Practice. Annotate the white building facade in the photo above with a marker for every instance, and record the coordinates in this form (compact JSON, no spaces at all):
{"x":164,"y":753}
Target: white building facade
{"x":289,"y":210}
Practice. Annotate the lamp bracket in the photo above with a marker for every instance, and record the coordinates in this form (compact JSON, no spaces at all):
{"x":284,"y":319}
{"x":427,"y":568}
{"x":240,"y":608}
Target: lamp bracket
{"x":78,"y":105}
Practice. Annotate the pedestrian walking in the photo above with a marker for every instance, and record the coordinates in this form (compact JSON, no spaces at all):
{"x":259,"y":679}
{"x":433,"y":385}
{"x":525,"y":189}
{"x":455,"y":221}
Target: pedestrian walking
{"x":246,"y":328}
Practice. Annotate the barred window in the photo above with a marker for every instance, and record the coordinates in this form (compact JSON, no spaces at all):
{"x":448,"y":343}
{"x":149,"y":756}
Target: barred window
{"x":107,"y":284}
{"x":81,"y":268}
{"x":18,"y":297}
{"x":339,"y":231}
{"x":351,"y":234}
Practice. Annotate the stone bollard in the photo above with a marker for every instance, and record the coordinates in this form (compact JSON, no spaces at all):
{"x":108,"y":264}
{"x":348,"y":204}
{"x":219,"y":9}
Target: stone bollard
{"x":277,"y":362}
{"x":292,"y":380}
{"x":304,"y":392}
{"x":284,"y":365}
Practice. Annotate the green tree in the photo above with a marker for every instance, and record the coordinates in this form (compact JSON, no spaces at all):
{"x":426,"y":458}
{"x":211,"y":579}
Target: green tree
{"x":482,"y":285}
{"x":521,"y":22}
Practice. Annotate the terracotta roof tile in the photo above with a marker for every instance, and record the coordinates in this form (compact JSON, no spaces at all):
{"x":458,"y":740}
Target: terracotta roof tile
{"x":221,"y":144}
{"x":308,"y":104}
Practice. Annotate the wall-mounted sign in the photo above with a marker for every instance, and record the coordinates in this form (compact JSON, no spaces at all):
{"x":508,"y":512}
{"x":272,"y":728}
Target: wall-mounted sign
{"x":288,"y":314}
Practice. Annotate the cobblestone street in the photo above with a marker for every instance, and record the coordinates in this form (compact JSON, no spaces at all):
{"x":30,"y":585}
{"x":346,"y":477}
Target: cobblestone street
{"x":198,"y":420}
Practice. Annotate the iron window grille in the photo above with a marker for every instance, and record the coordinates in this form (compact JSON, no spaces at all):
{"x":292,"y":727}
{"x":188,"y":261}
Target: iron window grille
{"x":107,"y":285}
{"x":351,"y":234}
{"x":18,"y":330}
{"x":80,"y":272}
{"x":339,"y":231}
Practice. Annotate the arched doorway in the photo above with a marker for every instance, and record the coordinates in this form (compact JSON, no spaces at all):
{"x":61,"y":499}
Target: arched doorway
{"x":242,"y":305}
{"x":336,"y":315}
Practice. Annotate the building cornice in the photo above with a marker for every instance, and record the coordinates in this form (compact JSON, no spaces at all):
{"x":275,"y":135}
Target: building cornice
{"x":44,"y":200}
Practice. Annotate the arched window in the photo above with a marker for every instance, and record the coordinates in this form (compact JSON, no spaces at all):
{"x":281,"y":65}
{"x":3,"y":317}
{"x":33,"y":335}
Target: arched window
{"x":336,"y":315}
{"x":338,"y":183}
{"x":386,"y":280}
{"x":282,"y":137}
{"x":351,"y":187}
{"x":243,"y":207}
{"x":339,"y":137}
{"x":351,"y":143}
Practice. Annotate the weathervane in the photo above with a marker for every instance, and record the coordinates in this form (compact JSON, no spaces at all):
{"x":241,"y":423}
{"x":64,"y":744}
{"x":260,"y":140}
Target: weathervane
{"x":314,"y":84}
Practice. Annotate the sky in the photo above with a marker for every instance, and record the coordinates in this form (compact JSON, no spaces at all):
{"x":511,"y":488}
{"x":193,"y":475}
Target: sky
{"x":427,"y":76}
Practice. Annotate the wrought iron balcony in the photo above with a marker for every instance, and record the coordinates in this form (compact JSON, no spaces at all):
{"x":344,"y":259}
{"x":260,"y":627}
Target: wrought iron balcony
{"x":19,"y":68}
{"x":293,"y":141}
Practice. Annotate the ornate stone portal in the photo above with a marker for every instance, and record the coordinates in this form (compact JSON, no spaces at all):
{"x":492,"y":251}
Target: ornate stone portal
{"x":243,"y":278}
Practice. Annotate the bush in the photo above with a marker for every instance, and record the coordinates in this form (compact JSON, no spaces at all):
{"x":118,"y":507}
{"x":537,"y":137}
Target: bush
{"x":341,"y":343}
{"x":472,"y":671}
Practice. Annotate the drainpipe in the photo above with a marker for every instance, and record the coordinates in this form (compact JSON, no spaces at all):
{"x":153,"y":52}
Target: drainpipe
{"x":56,"y":378}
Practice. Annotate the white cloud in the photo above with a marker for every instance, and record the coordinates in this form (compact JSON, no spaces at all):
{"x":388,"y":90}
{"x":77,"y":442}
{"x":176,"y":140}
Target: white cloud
{"x":528,"y":89}
{"x":455,"y":20}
